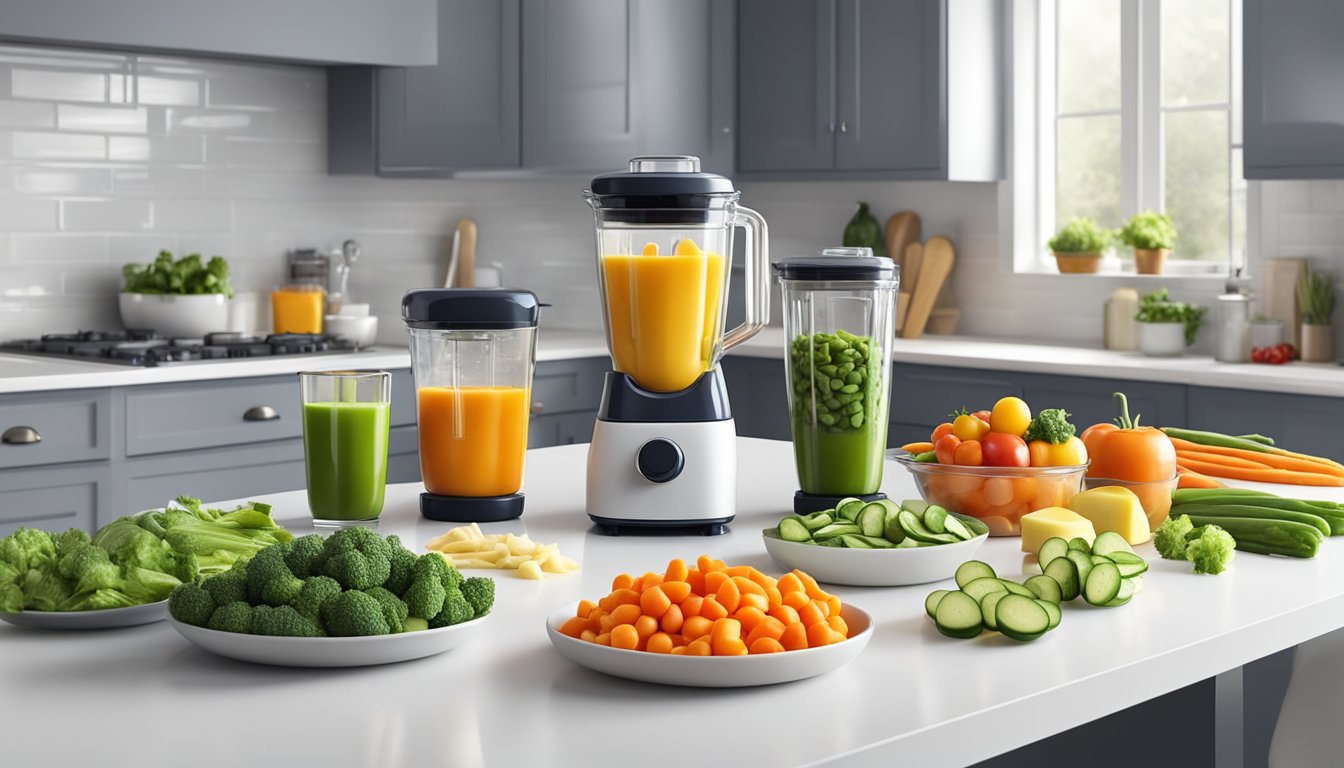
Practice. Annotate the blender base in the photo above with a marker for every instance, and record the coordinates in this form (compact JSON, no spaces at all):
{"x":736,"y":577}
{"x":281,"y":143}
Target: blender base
{"x":806,"y":503}
{"x":609,"y":527}
{"x":471,"y":509}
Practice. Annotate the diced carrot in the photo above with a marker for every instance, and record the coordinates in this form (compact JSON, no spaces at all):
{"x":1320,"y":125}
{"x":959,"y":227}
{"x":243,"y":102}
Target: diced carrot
{"x":838,"y":624}
{"x":790,"y":582}
{"x":588,"y":636}
{"x":768,"y":627}
{"x":603,"y":639}
{"x":585,"y":607}
{"x":705,"y":563}
{"x":625,"y":614}
{"x":607,"y":603}
{"x":672,"y":619}
{"x":574,"y":626}
{"x":624,"y":597}
{"x":773,"y":596}
{"x":696,"y":627}
{"x":818,"y":634}
{"x":729,"y":648}
{"x":739,"y":571}
{"x":835,"y":605}
{"x":714,"y":580}
{"x":719,"y":566}
{"x":650,"y":580}
{"x":749,"y":616}
{"x":759,"y":602}
{"x":729,"y":596}
{"x":762,"y":579}
{"x":697,"y":581}
{"x":748,"y":587}
{"x":810,"y":585}
{"x":676,"y":570}
{"x":659,"y":642}
{"x":765,"y":645}
{"x":595,"y":619}
{"x":812,"y":615}
{"x":606,"y":622}
{"x":691,"y":606}
{"x":677,"y":639}
{"x":712,"y":609}
{"x":624,"y":636}
{"x":654,"y":602}
{"x":646,"y":626}
{"x":794,"y":637}
{"x":622,"y":581}
{"x":700,"y":647}
{"x":797,"y":599}
{"x":676,"y":591}
{"x":785,"y":614}
{"x":679,"y":650}
{"x":824,"y":607}
{"x":725,"y":629}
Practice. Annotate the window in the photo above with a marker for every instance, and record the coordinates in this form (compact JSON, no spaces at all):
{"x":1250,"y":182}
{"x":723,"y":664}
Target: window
{"x":1145,"y":116}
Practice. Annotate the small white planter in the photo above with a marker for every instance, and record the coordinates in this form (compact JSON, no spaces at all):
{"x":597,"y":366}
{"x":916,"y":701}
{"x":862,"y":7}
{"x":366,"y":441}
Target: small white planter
{"x":1162,"y":339}
{"x":175,"y":316}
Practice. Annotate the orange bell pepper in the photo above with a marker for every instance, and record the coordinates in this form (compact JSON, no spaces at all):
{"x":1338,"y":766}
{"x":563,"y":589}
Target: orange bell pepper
{"x":1127,"y":451}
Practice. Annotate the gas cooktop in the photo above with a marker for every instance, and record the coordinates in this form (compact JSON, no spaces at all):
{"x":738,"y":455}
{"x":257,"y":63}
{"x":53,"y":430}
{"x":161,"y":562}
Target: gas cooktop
{"x":147,"y":348}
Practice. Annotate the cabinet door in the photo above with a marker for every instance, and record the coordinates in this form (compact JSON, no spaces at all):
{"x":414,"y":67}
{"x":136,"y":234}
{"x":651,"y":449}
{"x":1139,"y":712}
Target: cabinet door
{"x":463,"y":112}
{"x":1302,"y":423}
{"x":1092,"y":401}
{"x":786,"y":85}
{"x":891,"y":85}
{"x":758,"y":395}
{"x":922,"y":396}
{"x":1294,"y":111}
{"x":53,"y":498}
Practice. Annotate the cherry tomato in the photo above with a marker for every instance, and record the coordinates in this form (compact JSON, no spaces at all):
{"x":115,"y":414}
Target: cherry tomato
{"x":967,"y":427}
{"x":1258,"y":355}
{"x":939,"y":431}
{"x":982,"y":415}
{"x":968,"y":454}
{"x":945,"y":448}
{"x":1011,"y":416}
{"x":1005,"y":450}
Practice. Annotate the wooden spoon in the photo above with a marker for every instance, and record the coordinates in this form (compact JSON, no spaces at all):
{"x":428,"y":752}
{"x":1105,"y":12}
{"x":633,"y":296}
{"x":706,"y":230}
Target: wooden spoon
{"x":935,"y":267}
{"x":902,"y":229}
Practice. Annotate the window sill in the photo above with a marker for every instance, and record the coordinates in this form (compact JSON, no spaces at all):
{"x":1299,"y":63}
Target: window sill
{"x":1115,"y":267}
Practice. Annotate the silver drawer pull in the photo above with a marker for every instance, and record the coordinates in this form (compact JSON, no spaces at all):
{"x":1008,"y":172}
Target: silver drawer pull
{"x":538,"y":409}
{"x":260,"y":413}
{"x":20,"y":436}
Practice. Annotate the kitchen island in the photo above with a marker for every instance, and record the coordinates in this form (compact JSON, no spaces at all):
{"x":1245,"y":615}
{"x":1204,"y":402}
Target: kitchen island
{"x":144,"y":696}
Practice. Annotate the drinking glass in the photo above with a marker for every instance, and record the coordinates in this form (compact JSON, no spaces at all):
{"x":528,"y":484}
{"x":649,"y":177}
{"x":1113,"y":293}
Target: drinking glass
{"x":345,"y":423}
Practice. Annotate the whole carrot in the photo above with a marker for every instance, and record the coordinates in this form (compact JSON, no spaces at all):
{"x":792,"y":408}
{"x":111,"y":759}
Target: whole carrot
{"x":1192,"y":479}
{"x":1214,"y":439}
{"x":1271,"y":459}
{"x":1267,"y":475}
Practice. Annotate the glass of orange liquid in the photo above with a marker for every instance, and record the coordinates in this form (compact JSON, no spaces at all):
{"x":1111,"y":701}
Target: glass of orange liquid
{"x":472,"y":356}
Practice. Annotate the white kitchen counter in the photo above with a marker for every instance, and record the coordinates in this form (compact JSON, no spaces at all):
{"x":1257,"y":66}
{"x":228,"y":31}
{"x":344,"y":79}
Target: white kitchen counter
{"x":913,"y":698}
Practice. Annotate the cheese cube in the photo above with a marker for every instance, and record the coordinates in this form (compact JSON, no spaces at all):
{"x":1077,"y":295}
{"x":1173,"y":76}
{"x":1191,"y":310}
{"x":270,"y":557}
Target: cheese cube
{"x":1053,"y":521}
{"x":1114,"y":508}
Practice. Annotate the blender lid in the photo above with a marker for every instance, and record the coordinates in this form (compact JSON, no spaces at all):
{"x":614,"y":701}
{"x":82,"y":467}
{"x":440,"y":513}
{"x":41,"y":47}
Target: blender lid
{"x":462,"y":309}
{"x":837,"y":264}
{"x":660,"y":181}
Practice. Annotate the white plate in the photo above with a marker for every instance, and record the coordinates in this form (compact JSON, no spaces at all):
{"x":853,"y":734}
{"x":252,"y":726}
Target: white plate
{"x":110,"y":618}
{"x":713,"y":671}
{"x":331,"y":651}
{"x":872,"y":567}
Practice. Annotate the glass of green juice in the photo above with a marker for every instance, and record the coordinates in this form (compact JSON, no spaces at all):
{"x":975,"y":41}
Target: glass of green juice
{"x":345,"y":423}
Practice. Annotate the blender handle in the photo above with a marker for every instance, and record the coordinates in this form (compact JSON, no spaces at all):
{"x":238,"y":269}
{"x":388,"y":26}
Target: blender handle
{"x":757,"y":278}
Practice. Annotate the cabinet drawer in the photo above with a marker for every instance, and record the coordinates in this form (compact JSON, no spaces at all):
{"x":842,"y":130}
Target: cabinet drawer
{"x":51,"y":499}
{"x":564,"y":386}
{"x":185,"y":417}
{"x":72,"y":426}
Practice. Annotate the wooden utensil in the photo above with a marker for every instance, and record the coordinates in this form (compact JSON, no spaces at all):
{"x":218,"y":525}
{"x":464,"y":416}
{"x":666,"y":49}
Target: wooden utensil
{"x":466,"y":254}
{"x":902,"y":230}
{"x":902,"y":308}
{"x":1281,"y":277}
{"x":935,"y":266}
{"x":914,"y":259}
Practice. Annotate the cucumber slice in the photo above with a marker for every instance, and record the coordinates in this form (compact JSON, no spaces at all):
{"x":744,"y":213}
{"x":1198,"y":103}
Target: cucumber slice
{"x":871,"y":519}
{"x":1050,"y":549}
{"x":835,"y":529}
{"x":831,"y":542}
{"x":1062,"y":570}
{"x":1046,"y":588}
{"x":873,"y":542}
{"x":1130,"y":565}
{"x":976,"y":526}
{"x":848,"y":508}
{"x":981,"y":587}
{"x":971,"y":570}
{"x":1021,"y":618}
{"x":1110,"y":541}
{"x":909,"y":543}
{"x":854,"y":541}
{"x":987,"y":611}
{"x":818,"y":520}
{"x":914,"y":528}
{"x":957,"y":528}
{"x":931,"y":602}
{"x":1125,"y":594}
{"x":934,"y":517}
{"x":958,"y":615}
{"x":891,"y":527}
{"x":1017,"y":589}
{"x":1052,"y":611}
{"x":1083,"y":562}
{"x":1080,"y":544}
{"x":916,"y":506}
{"x":1103,"y":584}
{"x":794,"y":528}
{"x":1099,"y":559}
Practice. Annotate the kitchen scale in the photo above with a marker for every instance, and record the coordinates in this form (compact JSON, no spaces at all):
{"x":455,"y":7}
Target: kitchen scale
{"x":664,"y":451}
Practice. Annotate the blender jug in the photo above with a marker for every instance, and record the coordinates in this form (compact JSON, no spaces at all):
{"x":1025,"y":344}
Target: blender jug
{"x":839,"y":317}
{"x":472,"y":355}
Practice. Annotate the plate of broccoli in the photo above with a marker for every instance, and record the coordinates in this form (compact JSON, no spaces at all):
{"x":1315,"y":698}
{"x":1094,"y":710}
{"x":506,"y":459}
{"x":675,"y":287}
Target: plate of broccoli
{"x":353,"y":599}
{"x":102,"y":618}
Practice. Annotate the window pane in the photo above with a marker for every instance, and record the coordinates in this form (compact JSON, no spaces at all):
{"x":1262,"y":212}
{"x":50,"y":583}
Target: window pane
{"x":1195,"y":56}
{"x":1238,"y":211}
{"x":1088,"y":35}
{"x":1196,"y":181}
{"x":1087,"y":169}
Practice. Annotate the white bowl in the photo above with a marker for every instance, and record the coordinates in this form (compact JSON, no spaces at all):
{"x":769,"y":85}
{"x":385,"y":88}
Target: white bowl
{"x":1162,"y":339}
{"x":361,"y":329}
{"x":175,"y":316}
{"x":110,"y":618}
{"x":713,"y":671}
{"x":872,"y":567}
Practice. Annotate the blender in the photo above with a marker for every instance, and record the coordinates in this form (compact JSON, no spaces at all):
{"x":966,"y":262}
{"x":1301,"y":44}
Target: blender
{"x":839,"y":319}
{"x":472,"y":355}
{"x":664,"y":450}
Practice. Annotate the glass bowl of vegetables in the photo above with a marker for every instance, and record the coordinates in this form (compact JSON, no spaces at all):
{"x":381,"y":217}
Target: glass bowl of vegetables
{"x":998,"y":496}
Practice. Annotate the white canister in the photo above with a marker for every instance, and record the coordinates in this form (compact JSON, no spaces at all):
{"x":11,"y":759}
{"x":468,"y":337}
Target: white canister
{"x":1162,"y":339}
{"x":1122,"y":330}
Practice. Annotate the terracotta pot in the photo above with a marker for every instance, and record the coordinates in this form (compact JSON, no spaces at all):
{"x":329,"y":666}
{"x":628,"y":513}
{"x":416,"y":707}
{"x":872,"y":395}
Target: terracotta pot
{"x":1148,"y":261}
{"x":1317,"y":344}
{"x":1077,"y":263}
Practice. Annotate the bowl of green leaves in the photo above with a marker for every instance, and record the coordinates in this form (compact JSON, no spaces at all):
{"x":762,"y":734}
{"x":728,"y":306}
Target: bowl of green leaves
{"x":1167,"y":327}
{"x":179,"y":298}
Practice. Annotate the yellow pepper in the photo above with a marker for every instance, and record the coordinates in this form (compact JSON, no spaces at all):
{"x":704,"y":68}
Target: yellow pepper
{"x":1068,"y":453}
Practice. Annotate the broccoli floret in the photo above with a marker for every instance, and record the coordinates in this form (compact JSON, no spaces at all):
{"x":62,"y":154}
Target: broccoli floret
{"x":8,"y":573}
{"x":1169,"y":538}
{"x":27,"y":548}
{"x":394,"y":610}
{"x":1211,"y":550}
{"x":11,"y":598}
{"x":283,"y":621}
{"x":147,"y":586}
{"x":88,"y":568}
{"x":191,"y":604}
{"x":232,"y":617}
{"x":354,"y":614}
{"x":45,"y":590}
{"x":401,"y":561}
{"x":1051,"y":425}
{"x":129,"y":544}
{"x":72,"y":539}
{"x":456,"y":610}
{"x":305,"y":556}
{"x":452,"y":579}
{"x":269,"y":580}
{"x":480,"y":593}
{"x":227,"y":587}
{"x":357,"y":558}
{"x":426,"y":594}
{"x":316,"y":592}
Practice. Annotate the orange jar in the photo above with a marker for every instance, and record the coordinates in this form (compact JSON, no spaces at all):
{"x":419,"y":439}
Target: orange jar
{"x":298,"y":309}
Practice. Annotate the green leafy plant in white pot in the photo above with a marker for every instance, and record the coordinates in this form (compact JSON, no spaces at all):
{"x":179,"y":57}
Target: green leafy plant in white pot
{"x":1078,"y":246}
{"x":1152,"y":236}
{"x":183,"y":298}
{"x":1167,"y":327}
{"x":1316,"y":298}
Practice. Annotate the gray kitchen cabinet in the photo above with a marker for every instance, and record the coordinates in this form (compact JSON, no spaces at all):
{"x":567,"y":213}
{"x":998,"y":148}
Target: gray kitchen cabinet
{"x":923,"y":395}
{"x":1293,"y":117}
{"x":553,"y":429}
{"x":758,"y":396}
{"x":1092,"y":401}
{"x":1301,"y":423}
{"x":900,"y":89}
{"x":54,"y":498}
{"x":167,"y":418}
{"x":565,"y":397}
{"x":54,"y":427}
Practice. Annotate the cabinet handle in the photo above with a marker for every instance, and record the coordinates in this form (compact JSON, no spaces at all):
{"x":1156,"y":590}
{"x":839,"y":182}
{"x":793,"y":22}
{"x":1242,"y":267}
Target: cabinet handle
{"x":21,"y":436}
{"x":830,"y":127}
{"x":844,"y":127}
{"x":260,"y":413}
{"x":538,"y":409}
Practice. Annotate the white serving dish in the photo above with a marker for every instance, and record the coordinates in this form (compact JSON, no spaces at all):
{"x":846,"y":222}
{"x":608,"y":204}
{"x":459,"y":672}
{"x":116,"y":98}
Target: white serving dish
{"x":1162,"y":339}
{"x":361,"y":329}
{"x":331,"y":651}
{"x":872,"y":567}
{"x":110,"y":618}
{"x":175,"y":316}
{"x":713,"y":671}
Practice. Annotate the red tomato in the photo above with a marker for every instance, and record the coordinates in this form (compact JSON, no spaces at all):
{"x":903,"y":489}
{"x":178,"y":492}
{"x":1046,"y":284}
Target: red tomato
{"x":968,"y":454}
{"x":982,"y":415}
{"x":942,"y":429}
{"x":945,"y":448}
{"x":1004,"y":450}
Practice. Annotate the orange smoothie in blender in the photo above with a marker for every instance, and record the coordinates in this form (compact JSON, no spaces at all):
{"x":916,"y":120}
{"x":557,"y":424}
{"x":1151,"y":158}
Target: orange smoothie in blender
{"x":664,"y":313}
{"x":472,"y":439}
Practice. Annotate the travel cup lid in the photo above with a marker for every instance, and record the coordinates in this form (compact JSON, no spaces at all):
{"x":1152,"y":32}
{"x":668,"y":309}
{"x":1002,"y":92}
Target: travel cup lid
{"x":838,"y":264}
{"x":463,"y":309}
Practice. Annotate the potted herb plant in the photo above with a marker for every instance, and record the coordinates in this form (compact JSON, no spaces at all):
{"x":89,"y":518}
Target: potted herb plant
{"x":1152,"y":236}
{"x":1078,"y":246}
{"x":1167,"y":327}
{"x":1316,"y":297}
{"x":183,"y":298}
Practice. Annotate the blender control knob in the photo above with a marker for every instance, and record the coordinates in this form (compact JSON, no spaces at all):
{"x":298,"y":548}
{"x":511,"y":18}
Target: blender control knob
{"x":660,"y":460}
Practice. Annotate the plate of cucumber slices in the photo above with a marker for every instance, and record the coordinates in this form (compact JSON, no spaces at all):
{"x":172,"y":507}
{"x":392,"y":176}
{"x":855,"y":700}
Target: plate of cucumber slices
{"x":876,"y":544}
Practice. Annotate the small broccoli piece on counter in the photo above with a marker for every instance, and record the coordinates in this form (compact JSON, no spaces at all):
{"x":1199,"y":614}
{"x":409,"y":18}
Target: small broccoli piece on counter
{"x":401,"y":561}
{"x":354,"y":614}
{"x":1211,"y":550}
{"x":1169,"y":538}
{"x":357,"y":558}
{"x":191,"y":604}
{"x":283,"y":621}
{"x":269,"y":580}
{"x":317,"y":591}
{"x":394,"y":610}
{"x":480,"y":594}
{"x":233,"y":617}
{"x":306,"y":555}
{"x":456,"y":610}
{"x":227,"y":587}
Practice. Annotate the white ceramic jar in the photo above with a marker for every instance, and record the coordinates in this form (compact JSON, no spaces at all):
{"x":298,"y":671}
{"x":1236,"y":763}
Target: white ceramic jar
{"x":1162,"y":339}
